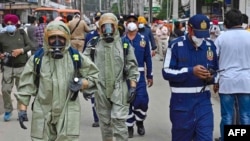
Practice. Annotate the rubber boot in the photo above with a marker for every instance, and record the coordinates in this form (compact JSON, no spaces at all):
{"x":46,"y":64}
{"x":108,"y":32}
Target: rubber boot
{"x":140,"y":128}
{"x":130,"y":132}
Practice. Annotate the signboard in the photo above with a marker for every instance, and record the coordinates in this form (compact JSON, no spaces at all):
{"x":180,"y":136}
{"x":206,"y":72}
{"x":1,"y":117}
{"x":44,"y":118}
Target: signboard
{"x":154,"y":9}
{"x":35,"y":1}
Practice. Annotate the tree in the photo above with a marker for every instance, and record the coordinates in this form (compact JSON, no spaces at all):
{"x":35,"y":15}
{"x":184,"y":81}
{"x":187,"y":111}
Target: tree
{"x":114,"y":9}
{"x":163,"y":12}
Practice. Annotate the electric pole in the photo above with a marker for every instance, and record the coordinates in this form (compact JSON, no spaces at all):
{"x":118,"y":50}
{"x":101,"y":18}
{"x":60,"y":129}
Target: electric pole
{"x":150,"y":12}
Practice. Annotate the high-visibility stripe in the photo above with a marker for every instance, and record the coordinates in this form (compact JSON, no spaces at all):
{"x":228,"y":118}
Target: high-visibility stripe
{"x":140,"y":68}
{"x":188,"y":89}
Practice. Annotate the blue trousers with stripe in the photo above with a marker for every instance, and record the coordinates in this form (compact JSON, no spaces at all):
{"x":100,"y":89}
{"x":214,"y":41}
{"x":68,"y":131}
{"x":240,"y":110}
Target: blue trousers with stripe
{"x":138,"y":108}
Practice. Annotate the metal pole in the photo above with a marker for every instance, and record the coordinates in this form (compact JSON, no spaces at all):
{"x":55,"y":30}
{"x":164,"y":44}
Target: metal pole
{"x":150,"y":12}
{"x":119,"y":9}
{"x":170,"y":9}
{"x":167,"y":12}
{"x":100,"y":5}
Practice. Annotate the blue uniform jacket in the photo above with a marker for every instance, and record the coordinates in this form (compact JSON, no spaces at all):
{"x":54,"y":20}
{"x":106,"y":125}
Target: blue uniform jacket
{"x":90,"y":36}
{"x":142,"y":53}
{"x":148,"y":33}
{"x":180,"y":59}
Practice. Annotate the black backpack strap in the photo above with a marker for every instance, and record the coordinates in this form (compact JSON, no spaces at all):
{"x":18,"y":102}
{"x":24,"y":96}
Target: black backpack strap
{"x":37,"y":64}
{"x":125,"y":44}
{"x":76,"y":58}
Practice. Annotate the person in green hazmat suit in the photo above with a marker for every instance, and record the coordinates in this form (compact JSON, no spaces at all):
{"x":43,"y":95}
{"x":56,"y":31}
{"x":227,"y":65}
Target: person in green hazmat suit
{"x":56,"y":114}
{"x":118,"y":70}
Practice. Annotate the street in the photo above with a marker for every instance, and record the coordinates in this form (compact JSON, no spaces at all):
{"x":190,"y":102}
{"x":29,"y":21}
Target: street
{"x":157,"y":124}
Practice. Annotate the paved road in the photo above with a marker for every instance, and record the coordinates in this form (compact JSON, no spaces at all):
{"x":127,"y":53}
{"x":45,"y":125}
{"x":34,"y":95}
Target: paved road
{"x":157,"y":124}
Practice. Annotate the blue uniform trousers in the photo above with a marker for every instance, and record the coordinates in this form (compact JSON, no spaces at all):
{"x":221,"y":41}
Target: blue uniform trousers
{"x":192,"y":117}
{"x":96,"y":119}
{"x":138,"y":108}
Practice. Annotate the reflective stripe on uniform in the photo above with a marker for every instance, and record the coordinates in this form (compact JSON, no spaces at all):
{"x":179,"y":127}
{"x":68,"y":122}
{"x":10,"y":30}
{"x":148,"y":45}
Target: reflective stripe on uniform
{"x":140,"y":68}
{"x":188,"y":89}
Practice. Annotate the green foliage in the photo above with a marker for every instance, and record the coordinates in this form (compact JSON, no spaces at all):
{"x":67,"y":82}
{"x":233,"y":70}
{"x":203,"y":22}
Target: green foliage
{"x":163,"y":13}
{"x":114,"y":8}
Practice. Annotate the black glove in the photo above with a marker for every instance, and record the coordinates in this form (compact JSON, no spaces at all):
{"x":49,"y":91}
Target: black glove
{"x":87,"y":96}
{"x":22,"y":115}
{"x":132,"y":94}
{"x":76,"y":85}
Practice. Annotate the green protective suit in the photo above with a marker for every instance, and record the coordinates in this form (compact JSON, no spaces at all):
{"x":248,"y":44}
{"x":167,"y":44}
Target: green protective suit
{"x":111,"y":98}
{"x":54,"y":116}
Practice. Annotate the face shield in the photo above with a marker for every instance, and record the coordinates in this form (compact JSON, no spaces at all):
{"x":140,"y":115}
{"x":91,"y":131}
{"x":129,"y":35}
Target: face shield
{"x":108,"y":31}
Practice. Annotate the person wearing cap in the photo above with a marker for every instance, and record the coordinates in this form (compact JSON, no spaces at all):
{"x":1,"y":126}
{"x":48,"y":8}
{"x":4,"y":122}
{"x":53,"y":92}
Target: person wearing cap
{"x":233,"y":85}
{"x":14,"y":45}
{"x":145,"y":30}
{"x":190,"y":66}
{"x":78,"y":28}
{"x":139,"y":106}
{"x":89,"y":36}
{"x":162,"y":33}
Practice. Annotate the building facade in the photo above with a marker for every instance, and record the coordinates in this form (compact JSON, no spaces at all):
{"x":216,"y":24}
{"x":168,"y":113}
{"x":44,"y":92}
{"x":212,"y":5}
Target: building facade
{"x":24,"y":8}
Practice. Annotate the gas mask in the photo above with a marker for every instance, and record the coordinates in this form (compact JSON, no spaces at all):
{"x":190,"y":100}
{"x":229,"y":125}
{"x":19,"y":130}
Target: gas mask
{"x":10,"y":28}
{"x":108,"y":31}
{"x":57,"y":44}
{"x":197,"y":41}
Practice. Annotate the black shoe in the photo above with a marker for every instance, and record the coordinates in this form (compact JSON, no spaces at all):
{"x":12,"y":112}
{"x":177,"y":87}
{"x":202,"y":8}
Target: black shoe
{"x":130,"y":132}
{"x":95,"y":124}
{"x":140,"y":128}
{"x":25,"y":117}
{"x":217,"y":139}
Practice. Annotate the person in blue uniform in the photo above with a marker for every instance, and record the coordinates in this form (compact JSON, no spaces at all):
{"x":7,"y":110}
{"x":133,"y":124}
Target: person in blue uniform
{"x":189,"y":66}
{"x":145,"y":30}
{"x":93,"y":33}
{"x":89,"y":36}
{"x":139,"y":107}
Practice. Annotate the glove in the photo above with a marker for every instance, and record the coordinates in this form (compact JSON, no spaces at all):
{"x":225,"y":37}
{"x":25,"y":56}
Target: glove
{"x":22,"y":115}
{"x":87,"y":96}
{"x":132,"y":94}
{"x":76,"y":85}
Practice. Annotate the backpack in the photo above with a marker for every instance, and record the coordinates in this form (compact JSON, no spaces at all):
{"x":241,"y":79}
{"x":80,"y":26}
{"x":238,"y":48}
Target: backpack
{"x":93,"y":42}
{"x":125,"y":42}
{"x":75,"y":56}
